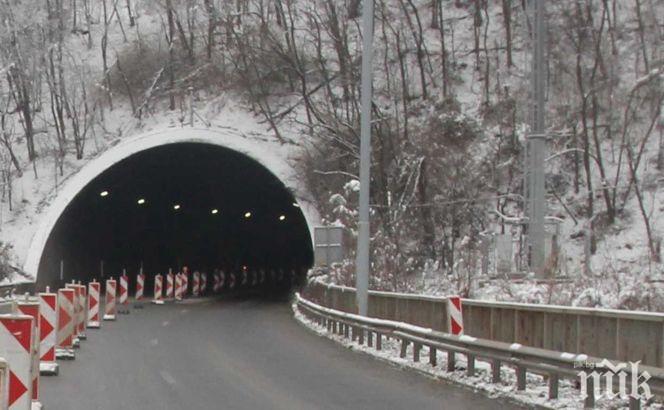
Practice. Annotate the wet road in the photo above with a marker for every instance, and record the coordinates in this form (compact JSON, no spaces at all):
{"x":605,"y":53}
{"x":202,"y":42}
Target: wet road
{"x":241,"y":354}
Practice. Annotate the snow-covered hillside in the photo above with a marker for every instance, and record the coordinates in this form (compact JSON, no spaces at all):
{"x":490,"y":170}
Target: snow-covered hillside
{"x":451,"y":113}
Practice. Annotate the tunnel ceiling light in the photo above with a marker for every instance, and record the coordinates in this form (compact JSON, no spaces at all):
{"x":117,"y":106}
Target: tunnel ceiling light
{"x":295,"y":204}
{"x":176,"y":207}
{"x":141,"y":201}
{"x":103,"y":193}
{"x":247,"y":214}
{"x":282,"y":217}
{"x":215,"y":211}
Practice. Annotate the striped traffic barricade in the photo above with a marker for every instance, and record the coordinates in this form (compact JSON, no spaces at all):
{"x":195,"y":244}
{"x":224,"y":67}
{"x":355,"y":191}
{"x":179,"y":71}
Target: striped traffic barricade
{"x":66,"y":324}
{"x":203,"y":283}
{"x":196,"y":284}
{"x":454,"y":315}
{"x":30,"y":306}
{"x":158,"y":289}
{"x":123,"y":297}
{"x":169,"y":285}
{"x":139,"y":296}
{"x":94,"y":299}
{"x":79,"y":312}
{"x":109,"y":299}
{"x":17,"y":334}
{"x":48,"y":337}
{"x":178,"y":286}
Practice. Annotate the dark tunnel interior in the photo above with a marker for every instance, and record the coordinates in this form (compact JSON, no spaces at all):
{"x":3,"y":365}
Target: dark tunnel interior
{"x":185,"y":204}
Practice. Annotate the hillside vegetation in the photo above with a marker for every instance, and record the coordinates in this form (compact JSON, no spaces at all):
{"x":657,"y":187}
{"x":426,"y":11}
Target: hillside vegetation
{"x":451,"y":106}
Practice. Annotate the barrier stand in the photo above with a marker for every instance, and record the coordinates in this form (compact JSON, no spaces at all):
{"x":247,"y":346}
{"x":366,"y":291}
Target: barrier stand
{"x":169,"y":284}
{"x":17,"y":334}
{"x":158,"y":288}
{"x":454,"y":315}
{"x":66,"y":324}
{"x":140,"y":290}
{"x":94,"y":292}
{"x":30,"y":306}
{"x":196,"y":285}
{"x":203,"y":283}
{"x":76,"y":342}
{"x":48,"y":338}
{"x":109,"y":300}
{"x":178,"y":286}
{"x":261,"y":276}
{"x":124,"y":292}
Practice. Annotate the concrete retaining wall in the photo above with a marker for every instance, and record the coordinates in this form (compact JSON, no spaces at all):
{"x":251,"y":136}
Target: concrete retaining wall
{"x":612,"y":334}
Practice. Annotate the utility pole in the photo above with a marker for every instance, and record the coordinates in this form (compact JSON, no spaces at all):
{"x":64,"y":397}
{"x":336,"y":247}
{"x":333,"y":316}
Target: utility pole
{"x":362,"y":262}
{"x":536,"y":148}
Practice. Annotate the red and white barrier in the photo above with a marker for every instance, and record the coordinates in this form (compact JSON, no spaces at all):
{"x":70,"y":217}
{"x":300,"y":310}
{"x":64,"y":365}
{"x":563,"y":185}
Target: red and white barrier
{"x":216,"y":283}
{"x":169,"y":285}
{"x":30,"y":306}
{"x":109,"y":300}
{"x":222,"y":280}
{"x":244,"y":278}
{"x":17,"y":335}
{"x":48,"y":337}
{"x":84,"y":309}
{"x":178,"y":286}
{"x":66,"y":323}
{"x":231,"y":280}
{"x":185,"y":285}
{"x":140,"y":286}
{"x":77,"y":312}
{"x":158,"y":289}
{"x":196,"y":286}
{"x":454,"y":315}
{"x":94,"y":298}
{"x":124,"y":289}
{"x":203,"y":283}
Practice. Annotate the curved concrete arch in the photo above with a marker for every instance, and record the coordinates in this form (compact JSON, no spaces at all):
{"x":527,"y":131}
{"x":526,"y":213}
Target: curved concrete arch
{"x":262,"y":152}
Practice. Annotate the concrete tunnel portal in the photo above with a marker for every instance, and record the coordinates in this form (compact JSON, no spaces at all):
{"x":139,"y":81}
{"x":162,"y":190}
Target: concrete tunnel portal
{"x":179,"y":203}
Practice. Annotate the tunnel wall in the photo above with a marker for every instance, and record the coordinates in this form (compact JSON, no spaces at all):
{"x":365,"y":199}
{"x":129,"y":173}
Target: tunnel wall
{"x":260,"y":151}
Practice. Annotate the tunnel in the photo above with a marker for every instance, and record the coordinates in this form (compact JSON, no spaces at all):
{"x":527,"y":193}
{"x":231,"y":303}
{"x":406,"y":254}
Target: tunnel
{"x":198,"y":205}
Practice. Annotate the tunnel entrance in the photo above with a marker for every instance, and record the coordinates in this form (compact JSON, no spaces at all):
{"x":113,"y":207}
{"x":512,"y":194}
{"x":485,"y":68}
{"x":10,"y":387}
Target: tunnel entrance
{"x":182,"y":204}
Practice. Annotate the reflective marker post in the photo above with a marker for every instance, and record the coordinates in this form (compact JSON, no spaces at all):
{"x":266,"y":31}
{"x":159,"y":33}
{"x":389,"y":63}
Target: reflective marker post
{"x":362,"y":262}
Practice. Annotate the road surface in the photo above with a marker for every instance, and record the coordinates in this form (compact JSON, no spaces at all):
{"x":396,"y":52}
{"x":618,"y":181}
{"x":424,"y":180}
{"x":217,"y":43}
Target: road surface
{"x":237,"y":354}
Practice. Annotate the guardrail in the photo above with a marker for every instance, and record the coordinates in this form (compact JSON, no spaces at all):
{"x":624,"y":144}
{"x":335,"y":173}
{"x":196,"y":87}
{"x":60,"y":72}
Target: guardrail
{"x":613,"y":334}
{"x":523,"y":359}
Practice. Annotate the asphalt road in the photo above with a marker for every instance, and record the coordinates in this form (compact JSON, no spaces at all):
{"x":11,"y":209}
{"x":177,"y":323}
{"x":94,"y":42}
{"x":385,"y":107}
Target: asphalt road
{"x":238,"y":354}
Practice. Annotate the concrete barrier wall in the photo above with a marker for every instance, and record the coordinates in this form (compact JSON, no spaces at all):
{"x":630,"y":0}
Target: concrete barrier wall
{"x":612,"y":334}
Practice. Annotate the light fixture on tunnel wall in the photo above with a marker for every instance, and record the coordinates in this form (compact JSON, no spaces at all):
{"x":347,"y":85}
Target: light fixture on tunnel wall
{"x":176,"y":207}
{"x":295,"y":204}
{"x":215,"y":211}
{"x":247,"y":214}
{"x":141,"y":201}
{"x":282,"y":217}
{"x":103,"y":194}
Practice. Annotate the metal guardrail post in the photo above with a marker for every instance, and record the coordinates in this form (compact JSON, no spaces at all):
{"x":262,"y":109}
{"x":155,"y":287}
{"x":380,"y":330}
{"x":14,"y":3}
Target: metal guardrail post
{"x":495,"y":371}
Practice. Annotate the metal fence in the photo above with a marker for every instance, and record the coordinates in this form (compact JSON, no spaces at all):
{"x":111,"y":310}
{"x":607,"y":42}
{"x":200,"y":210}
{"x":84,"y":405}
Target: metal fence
{"x":611,"y":334}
